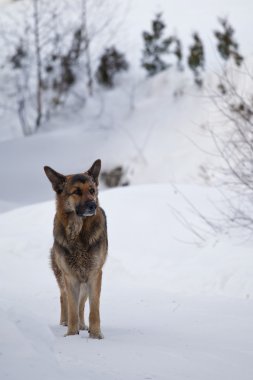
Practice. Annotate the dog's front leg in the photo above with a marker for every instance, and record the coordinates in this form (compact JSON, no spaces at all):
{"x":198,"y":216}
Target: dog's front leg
{"x":73,"y":290}
{"x":82,"y":299}
{"x":94,"y":287}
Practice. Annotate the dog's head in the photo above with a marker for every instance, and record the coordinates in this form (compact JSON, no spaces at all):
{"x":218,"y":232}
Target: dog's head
{"x":78,"y":192}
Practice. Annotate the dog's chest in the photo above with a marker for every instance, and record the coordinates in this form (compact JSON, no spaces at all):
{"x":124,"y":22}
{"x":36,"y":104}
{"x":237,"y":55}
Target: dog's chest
{"x":81,"y":251}
{"x":83,"y":257}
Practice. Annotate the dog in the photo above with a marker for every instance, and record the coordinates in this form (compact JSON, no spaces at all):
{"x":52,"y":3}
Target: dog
{"x":80,"y":247}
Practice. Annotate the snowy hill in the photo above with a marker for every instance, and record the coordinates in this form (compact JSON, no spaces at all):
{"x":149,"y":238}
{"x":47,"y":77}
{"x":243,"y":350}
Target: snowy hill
{"x":152,"y":127}
{"x":152,"y":141}
{"x":169,"y":308}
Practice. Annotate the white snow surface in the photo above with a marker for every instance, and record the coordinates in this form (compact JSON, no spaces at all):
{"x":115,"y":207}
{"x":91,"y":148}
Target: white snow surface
{"x":176,"y":303}
{"x":170,"y":309}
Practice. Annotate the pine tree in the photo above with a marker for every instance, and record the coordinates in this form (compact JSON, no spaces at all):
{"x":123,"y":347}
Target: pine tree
{"x":111,"y":62}
{"x":155,"y":47}
{"x":196,"y":59}
{"x":226,"y":45}
{"x":178,"y":52}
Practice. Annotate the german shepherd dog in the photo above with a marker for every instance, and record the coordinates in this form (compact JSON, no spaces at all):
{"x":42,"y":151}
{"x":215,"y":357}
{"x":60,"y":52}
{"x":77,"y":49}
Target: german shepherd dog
{"x":80,"y":247}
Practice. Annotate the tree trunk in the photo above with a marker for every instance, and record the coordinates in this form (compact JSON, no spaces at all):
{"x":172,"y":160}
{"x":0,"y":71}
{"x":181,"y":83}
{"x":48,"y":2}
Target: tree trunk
{"x":87,"y":47}
{"x":39,"y":108}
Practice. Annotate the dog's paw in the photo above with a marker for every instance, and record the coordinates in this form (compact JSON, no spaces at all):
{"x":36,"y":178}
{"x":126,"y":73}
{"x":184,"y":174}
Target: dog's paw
{"x":64,"y":323}
{"x":71,"y":332}
{"x":82,"y":326}
{"x":96,"y":335}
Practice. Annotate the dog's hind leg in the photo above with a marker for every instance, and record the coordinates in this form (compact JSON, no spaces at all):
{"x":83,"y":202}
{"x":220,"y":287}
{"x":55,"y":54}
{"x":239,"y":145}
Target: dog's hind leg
{"x":82,"y":299}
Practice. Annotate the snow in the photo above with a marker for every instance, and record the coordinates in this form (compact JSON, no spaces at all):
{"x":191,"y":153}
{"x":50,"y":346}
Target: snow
{"x":147,"y":140}
{"x":154,"y":128}
{"x":169,"y":309}
{"x":176,"y":299}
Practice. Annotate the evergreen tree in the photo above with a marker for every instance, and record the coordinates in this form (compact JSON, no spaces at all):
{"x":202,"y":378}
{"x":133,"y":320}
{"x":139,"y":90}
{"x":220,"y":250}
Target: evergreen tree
{"x":196,"y":59}
{"x":226,"y":45}
{"x":178,"y":52}
{"x":111,"y":62}
{"x":155,"y":48}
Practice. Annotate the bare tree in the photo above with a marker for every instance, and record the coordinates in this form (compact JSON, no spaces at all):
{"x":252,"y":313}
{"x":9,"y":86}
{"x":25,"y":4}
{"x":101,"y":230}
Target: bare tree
{"x":37,"y":44}
{"x":86,"y":38}
{"x":233,"y":140}
{"x":50,"y":58}
{"x":26,"y":62}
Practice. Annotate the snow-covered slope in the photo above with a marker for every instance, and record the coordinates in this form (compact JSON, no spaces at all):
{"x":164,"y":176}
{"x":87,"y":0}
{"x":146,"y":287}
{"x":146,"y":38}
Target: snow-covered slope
{"x":148,"y":130}
{"x":170,"y":308}
{"x":153,"y":127}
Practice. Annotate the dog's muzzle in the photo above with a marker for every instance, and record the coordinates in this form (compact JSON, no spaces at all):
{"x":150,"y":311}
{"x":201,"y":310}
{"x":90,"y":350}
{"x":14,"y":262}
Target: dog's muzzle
{"x":88,"y":209}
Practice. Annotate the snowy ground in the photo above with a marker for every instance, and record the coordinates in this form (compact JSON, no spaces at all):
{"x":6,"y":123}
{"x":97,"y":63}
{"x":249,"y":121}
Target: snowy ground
{"x":176,"y":302}
{"x":170,"y":309}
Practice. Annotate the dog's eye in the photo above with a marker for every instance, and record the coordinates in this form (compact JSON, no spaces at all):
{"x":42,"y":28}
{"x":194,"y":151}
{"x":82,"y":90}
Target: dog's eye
{"x":92,"y":191}
{"x":77,"y":192}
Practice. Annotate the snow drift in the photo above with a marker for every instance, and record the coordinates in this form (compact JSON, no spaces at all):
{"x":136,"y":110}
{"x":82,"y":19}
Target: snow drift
{"x":170,"y":308}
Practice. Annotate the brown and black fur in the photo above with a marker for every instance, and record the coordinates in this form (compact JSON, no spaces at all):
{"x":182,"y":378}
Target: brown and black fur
{"x":80,"y":247}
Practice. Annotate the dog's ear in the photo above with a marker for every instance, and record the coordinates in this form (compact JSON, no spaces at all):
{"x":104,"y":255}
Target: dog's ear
{"x":57,"y":180}
{"x":95,"y":170}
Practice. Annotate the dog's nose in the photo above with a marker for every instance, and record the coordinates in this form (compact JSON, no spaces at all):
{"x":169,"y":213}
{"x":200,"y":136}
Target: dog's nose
{"x":91,"y":207}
